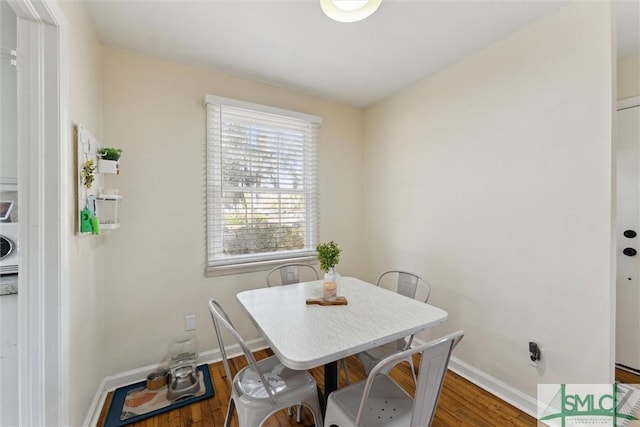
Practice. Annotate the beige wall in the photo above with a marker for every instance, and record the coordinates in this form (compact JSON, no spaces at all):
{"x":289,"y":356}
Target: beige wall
{"x":492,"y":178}
{"x":86,"y":351}
{"x":629,"y":77}
{"x":155,"y":263}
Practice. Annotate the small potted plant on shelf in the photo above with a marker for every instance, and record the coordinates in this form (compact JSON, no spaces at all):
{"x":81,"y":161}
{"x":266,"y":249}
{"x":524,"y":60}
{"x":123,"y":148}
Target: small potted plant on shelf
{"x":108,"y":160}
{"x":329,"y":256}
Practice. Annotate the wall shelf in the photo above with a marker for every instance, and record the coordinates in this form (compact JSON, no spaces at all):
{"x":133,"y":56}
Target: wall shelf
{"x":94,"y":205}
{"x":108,"y":197}
{"x":107,"y":211}
{"x":109,"y":226}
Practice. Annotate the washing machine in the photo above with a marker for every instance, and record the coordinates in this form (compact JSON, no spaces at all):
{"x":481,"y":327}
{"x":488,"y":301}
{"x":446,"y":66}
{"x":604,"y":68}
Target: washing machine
{"x":8,"y":247}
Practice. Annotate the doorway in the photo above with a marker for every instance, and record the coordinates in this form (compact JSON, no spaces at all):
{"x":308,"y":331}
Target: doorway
{"x":628,"y":235}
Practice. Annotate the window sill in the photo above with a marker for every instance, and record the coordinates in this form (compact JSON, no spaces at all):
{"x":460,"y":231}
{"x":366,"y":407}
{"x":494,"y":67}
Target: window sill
{"x":251,"y":267}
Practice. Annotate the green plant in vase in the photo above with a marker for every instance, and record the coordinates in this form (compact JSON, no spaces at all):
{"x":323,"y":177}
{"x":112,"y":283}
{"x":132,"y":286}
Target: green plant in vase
{"x":329,"y":256}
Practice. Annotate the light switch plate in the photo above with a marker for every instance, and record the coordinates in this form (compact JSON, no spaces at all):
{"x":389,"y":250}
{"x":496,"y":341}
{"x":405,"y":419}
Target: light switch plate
{"x":190,"y":322}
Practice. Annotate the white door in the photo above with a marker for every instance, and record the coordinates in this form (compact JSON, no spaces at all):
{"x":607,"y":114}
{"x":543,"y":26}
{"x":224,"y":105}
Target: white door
{"x":628,"y":238}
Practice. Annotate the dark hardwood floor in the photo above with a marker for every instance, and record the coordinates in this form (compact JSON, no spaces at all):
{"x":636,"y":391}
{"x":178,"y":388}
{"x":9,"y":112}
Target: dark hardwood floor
{"x":461,"y":402}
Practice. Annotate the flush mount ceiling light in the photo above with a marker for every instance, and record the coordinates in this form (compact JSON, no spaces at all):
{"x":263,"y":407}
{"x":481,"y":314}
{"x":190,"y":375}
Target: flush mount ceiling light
{"x":349,"y":10}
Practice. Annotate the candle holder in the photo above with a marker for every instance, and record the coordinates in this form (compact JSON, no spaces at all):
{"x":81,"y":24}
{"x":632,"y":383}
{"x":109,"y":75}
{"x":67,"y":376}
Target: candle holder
{"x":330,"y":285}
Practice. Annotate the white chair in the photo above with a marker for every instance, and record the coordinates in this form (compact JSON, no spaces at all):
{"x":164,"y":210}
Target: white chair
{"x":288,"y":274}
{"x":263,"y":387}
{"x":410,"y":285}
{"x":380,"y":401}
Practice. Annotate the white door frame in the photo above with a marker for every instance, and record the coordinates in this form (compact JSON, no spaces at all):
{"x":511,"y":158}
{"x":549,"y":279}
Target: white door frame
{"x":44,"y":205}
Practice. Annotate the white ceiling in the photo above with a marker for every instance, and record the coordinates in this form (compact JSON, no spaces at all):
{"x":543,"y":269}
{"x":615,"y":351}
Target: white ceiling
{"x":292,"y":44}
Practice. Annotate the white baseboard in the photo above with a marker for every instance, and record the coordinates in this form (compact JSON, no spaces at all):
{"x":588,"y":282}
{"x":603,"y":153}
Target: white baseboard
{"x":96,"y":405}
{"x":112,"y":382}
{"x":503,"y":391}
{"x":628,"y":369}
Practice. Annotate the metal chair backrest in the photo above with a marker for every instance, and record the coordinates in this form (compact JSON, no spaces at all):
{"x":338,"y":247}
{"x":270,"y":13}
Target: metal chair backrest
{"x":219,"y":317}
{"x":433,"y":367}
{"x":290,"y":273}
{"x":408,"y":284}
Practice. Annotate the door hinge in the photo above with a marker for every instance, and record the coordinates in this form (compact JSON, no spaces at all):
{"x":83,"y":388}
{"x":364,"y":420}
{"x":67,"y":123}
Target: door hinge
{"x":14,"y":58}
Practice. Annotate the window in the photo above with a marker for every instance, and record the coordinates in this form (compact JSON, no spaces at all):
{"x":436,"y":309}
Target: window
{"x":262,"y":184}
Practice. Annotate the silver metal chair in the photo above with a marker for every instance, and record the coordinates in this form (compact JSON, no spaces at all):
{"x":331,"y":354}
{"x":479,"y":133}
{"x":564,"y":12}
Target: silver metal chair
{"x":263,"y":387}
{"x":380,"y":401}
{"x":410,"y":285}
{"x":288,"y":274}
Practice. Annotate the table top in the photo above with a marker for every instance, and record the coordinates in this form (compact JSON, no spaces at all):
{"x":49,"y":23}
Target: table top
{"x":305,"y":336}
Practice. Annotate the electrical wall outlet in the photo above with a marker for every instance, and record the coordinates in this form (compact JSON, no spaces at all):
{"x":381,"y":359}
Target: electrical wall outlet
{"x":190,"y":322}
{"x":539,"y":364}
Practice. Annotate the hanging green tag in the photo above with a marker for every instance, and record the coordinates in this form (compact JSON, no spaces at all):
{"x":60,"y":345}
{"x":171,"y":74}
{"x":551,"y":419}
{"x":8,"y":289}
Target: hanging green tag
{"x":85,"y":221}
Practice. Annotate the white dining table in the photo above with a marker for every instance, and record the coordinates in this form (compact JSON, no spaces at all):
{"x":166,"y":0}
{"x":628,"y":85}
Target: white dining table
{"x":306,"y":336}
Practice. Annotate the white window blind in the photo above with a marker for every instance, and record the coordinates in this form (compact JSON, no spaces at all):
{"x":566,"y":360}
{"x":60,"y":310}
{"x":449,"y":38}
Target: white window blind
{"x":262,"y":183}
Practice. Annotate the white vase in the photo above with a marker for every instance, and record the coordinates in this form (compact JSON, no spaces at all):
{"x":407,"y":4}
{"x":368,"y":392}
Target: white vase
{"x":330,"y":285}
